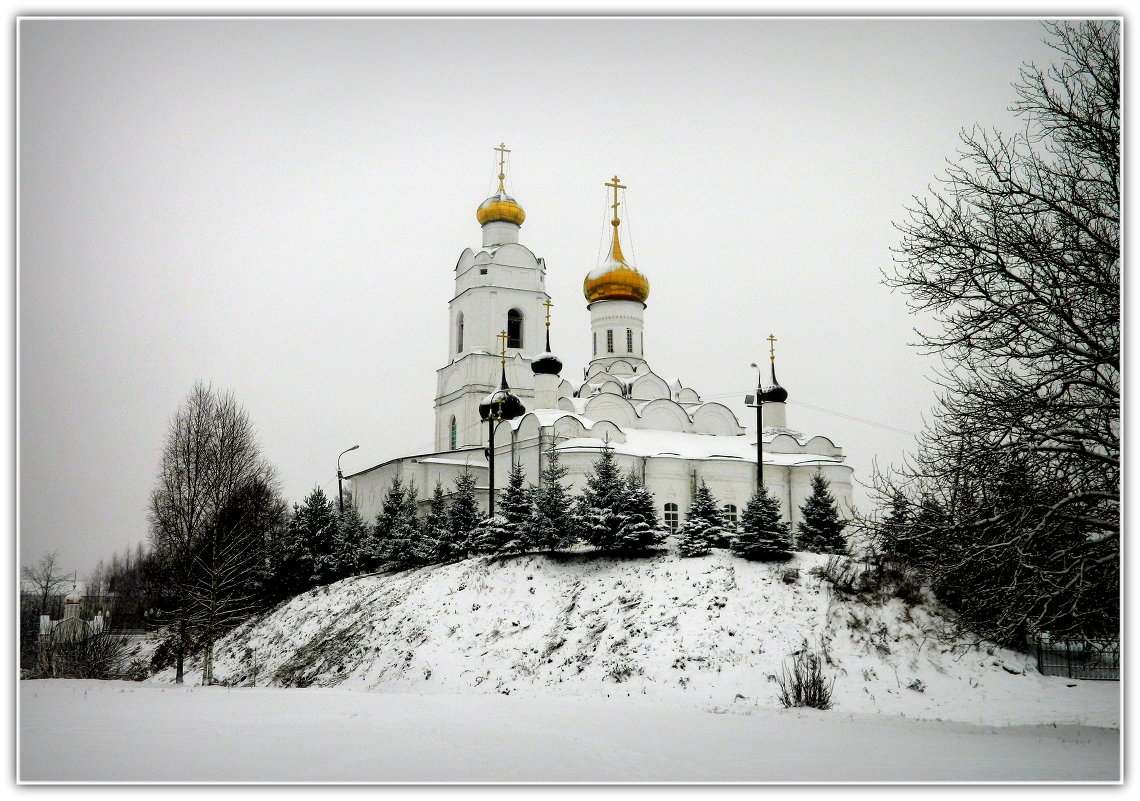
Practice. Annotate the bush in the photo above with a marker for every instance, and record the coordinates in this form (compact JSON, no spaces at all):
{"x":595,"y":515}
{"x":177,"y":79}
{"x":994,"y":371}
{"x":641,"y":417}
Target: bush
{"x":804,"y":684}
{"x":103,"y":656}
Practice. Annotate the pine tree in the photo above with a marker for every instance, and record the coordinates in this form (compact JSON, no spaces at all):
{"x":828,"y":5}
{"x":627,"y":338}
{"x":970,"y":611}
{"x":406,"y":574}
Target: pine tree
{"x":642,"y":527}
{"x":552,"y":525}
{"x":313,"y":529}
{"x":463,"y":517}
{"x":290,"y":560}
{"x":704,"y":526}
{"x":396,"y":538}
{"x":434,"y":529}
{"x":763,"y":535}
{"x":602,"y":507}
{"x":820,"y":529}
{"x":352,"y":535}
{"x":506,"y":531}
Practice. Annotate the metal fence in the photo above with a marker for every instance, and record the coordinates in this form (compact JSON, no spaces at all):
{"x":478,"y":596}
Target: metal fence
{"x":1078,"y":659}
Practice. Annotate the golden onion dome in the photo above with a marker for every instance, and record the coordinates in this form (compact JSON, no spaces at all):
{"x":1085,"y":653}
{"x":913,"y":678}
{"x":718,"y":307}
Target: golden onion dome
{"x":615,"y":278}
{"x":500,"y":207}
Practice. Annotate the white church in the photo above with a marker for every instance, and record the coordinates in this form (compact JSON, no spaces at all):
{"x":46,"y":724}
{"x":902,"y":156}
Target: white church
{"x":500,"y":329}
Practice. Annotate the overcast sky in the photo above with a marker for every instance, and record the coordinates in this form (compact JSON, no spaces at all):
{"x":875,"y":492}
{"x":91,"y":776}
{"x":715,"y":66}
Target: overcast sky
{"x":276,"y":207}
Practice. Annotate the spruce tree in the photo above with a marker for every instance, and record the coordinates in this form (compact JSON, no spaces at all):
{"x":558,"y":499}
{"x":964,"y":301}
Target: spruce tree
{"x":506,"y":532}
{"x":820,"y":529}
{"x":704,"y":526}
{"x":763,"y":535}
{"x":434,"y":529}
{"x":602,"y":507}
{"x":642,"y":528}
{"x":352,"y":535}
{"x":396,"y":537}
{"x":291,"y":561}
{"x":463,"y":517}
{"x":552,"y":525}
{"x":315,"y":526}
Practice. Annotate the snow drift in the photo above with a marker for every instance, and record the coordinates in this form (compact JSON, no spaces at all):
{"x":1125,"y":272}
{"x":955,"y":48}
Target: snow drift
{"x":715,"y":630}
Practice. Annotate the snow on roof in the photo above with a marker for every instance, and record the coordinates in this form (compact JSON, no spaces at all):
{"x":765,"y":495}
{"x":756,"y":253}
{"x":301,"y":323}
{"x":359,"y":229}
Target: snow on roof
{"x":654,"y":442}
{"x":461,"y":462}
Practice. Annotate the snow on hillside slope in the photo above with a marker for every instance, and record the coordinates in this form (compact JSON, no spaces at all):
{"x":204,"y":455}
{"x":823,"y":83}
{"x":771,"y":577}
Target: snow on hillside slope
{"x":716,"y":630}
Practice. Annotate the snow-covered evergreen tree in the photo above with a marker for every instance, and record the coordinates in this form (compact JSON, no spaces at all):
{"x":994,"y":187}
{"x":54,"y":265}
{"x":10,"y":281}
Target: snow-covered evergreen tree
{"x":704,"y":526}
{"x":820,"y":529}
{"x":602,"y":508}
{"x":320,"y":526}
{"x":763,"y":535}
{"x":397,"y":527}
{"x":552,"y":525}
{"x":490,"y":536}
{"x":434,"y":529}
{"x":351,"y":537}
{"x":642,"y":528}
{"x":506,"y":532}
{"x":463,"y":516}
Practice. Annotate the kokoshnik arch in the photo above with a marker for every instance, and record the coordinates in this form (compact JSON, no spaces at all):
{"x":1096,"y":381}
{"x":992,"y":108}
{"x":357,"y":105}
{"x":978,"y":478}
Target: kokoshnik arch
{"x":499,"y":332}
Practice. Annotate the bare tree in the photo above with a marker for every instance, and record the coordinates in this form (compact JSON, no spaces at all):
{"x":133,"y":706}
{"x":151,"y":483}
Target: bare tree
{"x":44,"y":579}
{"x":1017,"y":259}
{"x":205,"y":508}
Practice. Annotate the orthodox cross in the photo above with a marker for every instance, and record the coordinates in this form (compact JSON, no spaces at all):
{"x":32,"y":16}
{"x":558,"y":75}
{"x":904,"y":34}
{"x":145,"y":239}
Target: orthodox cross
{"x":503,"y":151}
{"x":503,"y":353}
{"x":772,"y":347}
{"x":548,"y":304}
{"x":615,"y":204}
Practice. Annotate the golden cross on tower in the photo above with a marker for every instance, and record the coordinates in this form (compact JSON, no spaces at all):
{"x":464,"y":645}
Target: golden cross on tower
{"x":503,"y":354}
{"x":615,"y":204}
{"x":772,"y":347}
{"x":503,"y":151}
{"x":548,"y":304}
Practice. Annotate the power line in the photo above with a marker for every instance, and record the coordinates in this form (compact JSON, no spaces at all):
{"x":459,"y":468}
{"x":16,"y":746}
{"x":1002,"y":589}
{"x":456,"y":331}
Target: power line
{"x":844,"y":415}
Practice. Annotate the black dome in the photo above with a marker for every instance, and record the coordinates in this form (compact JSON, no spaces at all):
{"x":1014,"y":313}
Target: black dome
{"x":546,"y":364}
{"x":510,"y":406}
{"x":773,"y":393}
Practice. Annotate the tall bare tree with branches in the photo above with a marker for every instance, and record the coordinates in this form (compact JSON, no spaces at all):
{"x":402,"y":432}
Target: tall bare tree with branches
{"x":1016,"y":256}
{"x":213,"y":498}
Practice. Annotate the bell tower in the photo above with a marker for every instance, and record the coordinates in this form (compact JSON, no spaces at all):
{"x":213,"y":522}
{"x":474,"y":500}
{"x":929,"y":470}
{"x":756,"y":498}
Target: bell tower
{"x":615,"y":295}
{"x":500,"y":287}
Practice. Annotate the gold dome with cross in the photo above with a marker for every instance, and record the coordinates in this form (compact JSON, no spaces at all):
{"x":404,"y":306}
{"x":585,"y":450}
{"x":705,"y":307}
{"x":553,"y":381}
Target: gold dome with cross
{"x":500,"y":207}
{"x":615,"y":278}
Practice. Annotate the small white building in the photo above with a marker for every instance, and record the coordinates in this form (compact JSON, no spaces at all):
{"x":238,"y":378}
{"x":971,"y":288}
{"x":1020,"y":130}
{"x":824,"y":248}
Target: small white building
{"x":499,"y":327}
{"x":72,"y":627}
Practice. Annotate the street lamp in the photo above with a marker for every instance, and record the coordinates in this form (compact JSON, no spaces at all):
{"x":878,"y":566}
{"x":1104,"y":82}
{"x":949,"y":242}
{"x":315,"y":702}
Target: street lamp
{"x":758,"y":403}
{"x":340,"y":478}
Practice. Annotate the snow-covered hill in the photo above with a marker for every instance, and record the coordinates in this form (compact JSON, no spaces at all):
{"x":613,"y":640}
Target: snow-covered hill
{"x":714,"y":630}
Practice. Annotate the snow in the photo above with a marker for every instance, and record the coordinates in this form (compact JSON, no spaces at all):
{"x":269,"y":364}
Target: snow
{"x":579,"y":668}
{"x":685,"y":445}
{"x":119,"y":731}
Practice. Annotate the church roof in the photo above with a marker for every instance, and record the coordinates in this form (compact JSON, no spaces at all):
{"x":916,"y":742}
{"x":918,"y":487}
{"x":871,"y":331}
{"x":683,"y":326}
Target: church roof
{"x":653,"y":442}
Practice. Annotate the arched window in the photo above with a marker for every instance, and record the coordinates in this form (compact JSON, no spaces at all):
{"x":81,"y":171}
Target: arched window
{"x":672,"y":518}
{"x":514,"y":329}
{"x":629,"y":340}
{"x":730,"y":513}
{"x":459,"y":333}
{"x":451,"y":433}
{"x":610,"y":341}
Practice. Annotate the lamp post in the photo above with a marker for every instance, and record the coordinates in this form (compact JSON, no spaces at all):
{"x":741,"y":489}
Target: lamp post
{"x":340,"y":478}
{"x":759,"y":402}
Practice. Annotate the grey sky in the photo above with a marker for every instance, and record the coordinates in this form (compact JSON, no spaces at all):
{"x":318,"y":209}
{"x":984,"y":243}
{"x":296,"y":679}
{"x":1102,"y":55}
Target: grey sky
{"x":276,"y":207}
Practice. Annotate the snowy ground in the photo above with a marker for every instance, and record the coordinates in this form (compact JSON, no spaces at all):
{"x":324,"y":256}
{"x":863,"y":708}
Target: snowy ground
{"x":118,"y":731}
{"x":582,"y":669}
